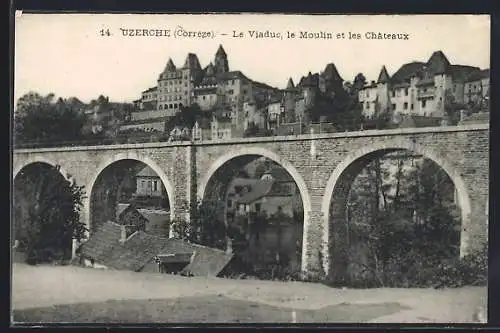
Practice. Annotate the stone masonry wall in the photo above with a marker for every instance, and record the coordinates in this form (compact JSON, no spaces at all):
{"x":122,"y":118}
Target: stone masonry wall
{"x":314,"y":162}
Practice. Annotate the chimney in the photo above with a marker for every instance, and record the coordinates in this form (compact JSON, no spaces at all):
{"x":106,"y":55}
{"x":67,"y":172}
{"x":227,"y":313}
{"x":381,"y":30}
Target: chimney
{"x":123,"y":236}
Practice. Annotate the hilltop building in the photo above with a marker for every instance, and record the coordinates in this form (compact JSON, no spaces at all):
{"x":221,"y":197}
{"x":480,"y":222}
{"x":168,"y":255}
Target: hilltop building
{"x":214,"y":87}
{"x":421,"y":88}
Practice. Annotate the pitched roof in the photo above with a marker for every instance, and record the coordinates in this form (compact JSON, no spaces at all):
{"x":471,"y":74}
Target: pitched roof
{"x":137,"y":251}
{"x":155,"y":216}
{"x":207,"y":261}
{"x":279,"y":174}
{"x":259,"y":189}
{"x":146,"y":172}
{"x":121,"y":207}
{"x":383,"y":77}
{"x":232,"y":75}
{"x":101,"y":242}
{"x":290,"y":85}
{"x":461,"y":72}
{"x":150,"y":89}
{"x":408,"y":70}
{"x":478,"y":75}
{"x":438,"y":63}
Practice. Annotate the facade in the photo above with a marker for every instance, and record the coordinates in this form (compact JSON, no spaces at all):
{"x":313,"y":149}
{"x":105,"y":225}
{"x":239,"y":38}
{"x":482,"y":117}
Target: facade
{"x":419,"y":88}
{"x":148,"y":183}
{"x":214,"y":87}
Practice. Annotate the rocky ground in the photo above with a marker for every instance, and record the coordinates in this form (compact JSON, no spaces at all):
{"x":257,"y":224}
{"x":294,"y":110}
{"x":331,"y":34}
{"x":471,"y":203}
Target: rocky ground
{"x":75,"y":294}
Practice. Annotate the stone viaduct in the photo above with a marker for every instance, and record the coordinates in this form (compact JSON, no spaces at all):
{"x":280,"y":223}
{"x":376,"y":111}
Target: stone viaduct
{"x":322,"y":165}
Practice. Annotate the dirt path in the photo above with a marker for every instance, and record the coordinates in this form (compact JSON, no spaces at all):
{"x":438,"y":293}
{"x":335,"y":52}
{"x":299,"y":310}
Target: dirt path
{"x":50,"y":285}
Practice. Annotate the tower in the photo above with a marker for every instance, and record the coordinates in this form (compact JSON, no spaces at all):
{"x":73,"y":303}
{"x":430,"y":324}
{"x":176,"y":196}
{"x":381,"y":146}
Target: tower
{"x":289,"y":102}
{"x":383,"y":89}
{"x":221,"y":64}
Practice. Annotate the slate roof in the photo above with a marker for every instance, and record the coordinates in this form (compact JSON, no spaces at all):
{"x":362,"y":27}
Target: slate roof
{"x":259,"y":189}
{"x":147,"y":172}
{"x":207,"y":261}
{"x":407,"y":70}
{"x":101,"y":243}
{"x":141,"y":248}
{"x":478,"y":75}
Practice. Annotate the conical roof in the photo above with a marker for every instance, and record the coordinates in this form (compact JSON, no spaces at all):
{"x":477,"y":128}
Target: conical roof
{"x":383,"y":77}
{"x":192,"y":61}
{"x":290,"y":84}
{"x":170,"y":66}
{"x":220,"y":51}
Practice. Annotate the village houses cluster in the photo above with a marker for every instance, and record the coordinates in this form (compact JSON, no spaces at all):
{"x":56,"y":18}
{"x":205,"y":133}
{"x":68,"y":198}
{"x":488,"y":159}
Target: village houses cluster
{"x":417,"y":91}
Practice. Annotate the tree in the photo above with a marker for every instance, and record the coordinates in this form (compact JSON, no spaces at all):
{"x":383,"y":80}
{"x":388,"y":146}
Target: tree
{"x":204,"y":227}
{"x":451,"y":108}
{"x":38,"y":118}
{"x":53,"y":217}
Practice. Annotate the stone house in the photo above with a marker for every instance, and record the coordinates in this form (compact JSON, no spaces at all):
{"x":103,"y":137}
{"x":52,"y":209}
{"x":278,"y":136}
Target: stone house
{"x":111,"y":248}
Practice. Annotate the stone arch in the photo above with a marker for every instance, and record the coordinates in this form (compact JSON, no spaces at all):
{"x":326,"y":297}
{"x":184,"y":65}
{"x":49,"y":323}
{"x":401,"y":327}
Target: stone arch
{"x":297,"y":177}
{"x":130,"y":155}
{"x":42,"y":160}
{"x":384,"y":147}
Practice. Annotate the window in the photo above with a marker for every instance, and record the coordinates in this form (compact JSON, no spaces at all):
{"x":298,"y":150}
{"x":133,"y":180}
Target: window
{"x":394,"y":106}
{"x":405,"y":106}
{"x":203,"y":98}
{"x":367,"y":105}
{"x":229,"y":203}
{"x":155,"y":185}
{"x":406,"y":91}
{"x":367,"y":93}
{"x":149,"y":184}
{"x":232,"y":81}
{"x":424,"y":102}
{"x":257,"y":207}
{"x":411,"y":106}
{"x":394,"y":93}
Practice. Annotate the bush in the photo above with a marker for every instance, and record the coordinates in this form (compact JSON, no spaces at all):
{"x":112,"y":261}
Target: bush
{"x":471,"y":270}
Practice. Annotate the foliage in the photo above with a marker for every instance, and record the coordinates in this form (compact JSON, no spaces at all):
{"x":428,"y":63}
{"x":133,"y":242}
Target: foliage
{"x":399,"y":229}
{"x":204,"y":227}
{"x":53,"y":219}
{"x":39,"y":118}
{"x":187,"y":117}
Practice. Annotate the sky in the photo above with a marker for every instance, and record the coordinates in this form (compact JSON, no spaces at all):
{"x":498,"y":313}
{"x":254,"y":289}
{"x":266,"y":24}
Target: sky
{"x":66,"y":54}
